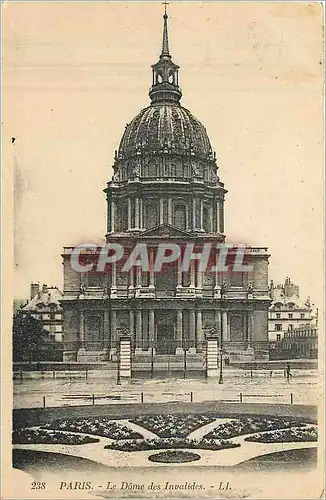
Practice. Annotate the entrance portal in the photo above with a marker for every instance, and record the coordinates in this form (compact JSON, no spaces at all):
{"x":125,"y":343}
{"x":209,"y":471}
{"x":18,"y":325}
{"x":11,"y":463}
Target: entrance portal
{"x":165,"y":339}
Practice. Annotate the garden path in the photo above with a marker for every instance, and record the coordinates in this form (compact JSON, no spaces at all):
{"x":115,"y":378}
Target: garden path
{"x":114,"y":458}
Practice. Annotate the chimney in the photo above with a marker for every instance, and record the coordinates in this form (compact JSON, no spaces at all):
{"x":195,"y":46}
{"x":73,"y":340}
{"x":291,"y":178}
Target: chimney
{"x":44,"y":289}
{"x":34,"y":290}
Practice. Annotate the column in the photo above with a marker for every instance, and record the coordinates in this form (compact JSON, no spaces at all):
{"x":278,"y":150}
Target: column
{"x":192,"y":332}
{"x":194,"y":214}
{"x":139,"y":327}
{"x":187,"y":217}
{"x":218,"y":326}
{"x":221,"y":220}
{"x":192,"y":273}
{"x":249,"y":327}
{"x":106,"y":328}
{"x":199,"y":278}
{"x":137,"y":222}
{"x":151,"y":268}
{"x":113,"y":291}
{"x":170,"y":211}
{"x":81,"y":330}
{"x":179,"y":272}
{"x":108,"y":204}
{"x":129,"y":214}
{"x":161,"y":210}
{"x":112,"y":216}
{"x":217,"y":287}
{"x":151,"y":328}
{"x":138,"y":277}
{"x":131,"y":323}
{"x":113,"y":342}
{"x":202,"y":215}
{"x":141,"y":224}
{"x":225,"y":332}
{"x":218,"y":216}
{"x":131,"y":279}
{"x":200,"y":338}
{"x":179,"y":332}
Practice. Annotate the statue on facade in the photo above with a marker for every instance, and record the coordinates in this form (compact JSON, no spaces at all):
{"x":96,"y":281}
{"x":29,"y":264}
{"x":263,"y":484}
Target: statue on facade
{"x":81,"y":291}
{"x":224,"y":288}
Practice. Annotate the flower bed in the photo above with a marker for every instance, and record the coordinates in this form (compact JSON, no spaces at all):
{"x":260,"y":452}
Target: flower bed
{"x":250,"y":425}
{"x":98,"y":426}
{"x":45,"y":436}
{"x":173,"y":425}
{"x":294,"y":434}
{"x":168,"y":443}
{"x":174,"y":457}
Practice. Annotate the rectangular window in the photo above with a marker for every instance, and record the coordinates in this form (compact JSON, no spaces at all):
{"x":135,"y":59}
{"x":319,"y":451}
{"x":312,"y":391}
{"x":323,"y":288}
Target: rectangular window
{"x":290,"y":315}
{"x":278,"y":315}
{"x":302,"y":315}
{"x":278,"y":337}
{"x":278,"y":328}
{"x":290,"y":327}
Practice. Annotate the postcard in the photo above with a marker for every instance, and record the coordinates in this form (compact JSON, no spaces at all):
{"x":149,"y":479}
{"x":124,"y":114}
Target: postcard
{"x":162,"y":250}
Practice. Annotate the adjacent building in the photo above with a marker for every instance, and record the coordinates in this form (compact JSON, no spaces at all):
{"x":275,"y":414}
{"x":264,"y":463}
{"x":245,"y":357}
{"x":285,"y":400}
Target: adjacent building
{"x":166,"y":187}
{"x":302,"y":342}
{"x":287,"y":311}
{"x":293,"y":323}
{"x":44,"y":305}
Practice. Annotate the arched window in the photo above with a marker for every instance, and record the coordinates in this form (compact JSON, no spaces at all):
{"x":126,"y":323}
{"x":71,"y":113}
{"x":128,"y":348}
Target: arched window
{"x":152,"y":169}
{"x":179,"y":216}
{"x":179,"y":170}
{"x":151,"y":215}
{"x":207,"y":221}
{"x":123,"y":217}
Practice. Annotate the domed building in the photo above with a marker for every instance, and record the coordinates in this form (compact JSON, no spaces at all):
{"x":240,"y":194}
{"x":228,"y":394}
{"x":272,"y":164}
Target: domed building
{"x":166,"y":188}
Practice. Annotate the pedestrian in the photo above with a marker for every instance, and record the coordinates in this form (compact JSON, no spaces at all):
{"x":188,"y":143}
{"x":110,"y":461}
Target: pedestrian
{"x":288,"y":371}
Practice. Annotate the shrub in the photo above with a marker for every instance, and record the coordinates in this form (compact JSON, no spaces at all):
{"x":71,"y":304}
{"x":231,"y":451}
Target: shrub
{"x":170,"y":443}
{"x":174,"y":457}
{"x":44,"y":436}
{"x":294,"y":434}
{"x":98,"y":426}
{"x":250,"y":425}
{"x":173,"y":425}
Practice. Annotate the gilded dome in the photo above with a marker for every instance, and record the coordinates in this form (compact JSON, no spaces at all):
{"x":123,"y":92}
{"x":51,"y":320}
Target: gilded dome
{"x":165,"y":126}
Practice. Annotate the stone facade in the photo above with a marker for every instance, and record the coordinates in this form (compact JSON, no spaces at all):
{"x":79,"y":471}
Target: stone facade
{"x":287,"y":311}
{"x":45,"y":305}
{"x":166,"y":188}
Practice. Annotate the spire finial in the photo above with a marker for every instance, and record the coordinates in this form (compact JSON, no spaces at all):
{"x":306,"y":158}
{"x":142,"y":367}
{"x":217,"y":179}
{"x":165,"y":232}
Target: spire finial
{"x":165,"y":44}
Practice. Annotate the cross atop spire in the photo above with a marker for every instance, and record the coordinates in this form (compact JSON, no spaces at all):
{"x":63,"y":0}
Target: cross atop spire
{"x":165,"y":44}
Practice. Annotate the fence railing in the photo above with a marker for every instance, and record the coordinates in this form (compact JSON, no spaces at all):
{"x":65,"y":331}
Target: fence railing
{"x":93,"y":399}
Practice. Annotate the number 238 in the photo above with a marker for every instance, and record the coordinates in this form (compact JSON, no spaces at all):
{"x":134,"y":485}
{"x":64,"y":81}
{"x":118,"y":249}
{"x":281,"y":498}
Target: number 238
{"x":38,"y":486}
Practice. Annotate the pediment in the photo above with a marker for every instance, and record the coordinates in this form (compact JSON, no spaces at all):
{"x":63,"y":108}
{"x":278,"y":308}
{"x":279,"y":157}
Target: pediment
{"x":165,"y":230}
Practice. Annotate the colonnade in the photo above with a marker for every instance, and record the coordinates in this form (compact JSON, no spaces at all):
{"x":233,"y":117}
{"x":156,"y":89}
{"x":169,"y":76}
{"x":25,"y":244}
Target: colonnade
{"x":136,"y":219}
{"x":193,"y":337}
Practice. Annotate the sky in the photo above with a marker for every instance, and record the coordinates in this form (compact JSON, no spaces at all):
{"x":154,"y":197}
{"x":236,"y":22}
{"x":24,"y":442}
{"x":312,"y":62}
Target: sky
{"x":75,"y":73}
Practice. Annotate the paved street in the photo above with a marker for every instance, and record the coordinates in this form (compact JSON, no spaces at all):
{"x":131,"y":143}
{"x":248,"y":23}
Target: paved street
{"x":261,"y":388}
